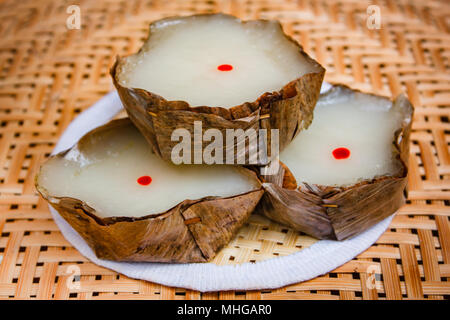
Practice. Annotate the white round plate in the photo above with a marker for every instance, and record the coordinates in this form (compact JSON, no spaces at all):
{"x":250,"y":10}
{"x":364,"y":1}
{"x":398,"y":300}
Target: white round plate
{"x":320,"y":258}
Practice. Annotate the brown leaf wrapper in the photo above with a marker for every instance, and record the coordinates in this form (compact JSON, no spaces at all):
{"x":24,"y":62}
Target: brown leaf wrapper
{"x":192,"y":231}
{"x":289,"y":110}
{"x":339,"y":213}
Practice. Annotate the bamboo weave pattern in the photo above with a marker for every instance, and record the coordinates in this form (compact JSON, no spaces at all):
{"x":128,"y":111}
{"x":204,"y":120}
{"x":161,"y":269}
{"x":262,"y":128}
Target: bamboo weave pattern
{"x":49,"y":74}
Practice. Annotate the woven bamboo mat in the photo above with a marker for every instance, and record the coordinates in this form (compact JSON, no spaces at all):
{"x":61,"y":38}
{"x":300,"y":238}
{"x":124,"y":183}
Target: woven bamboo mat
{"x":49,"y":74}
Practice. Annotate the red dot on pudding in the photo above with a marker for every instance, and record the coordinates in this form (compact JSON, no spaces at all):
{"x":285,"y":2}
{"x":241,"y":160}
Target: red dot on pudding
{"x":225,"y":67}
{"x":144,"y":180}
{"x":341,"y":153}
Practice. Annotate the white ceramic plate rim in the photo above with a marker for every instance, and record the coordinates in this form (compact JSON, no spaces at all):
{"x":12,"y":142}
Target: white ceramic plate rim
{"x":320,"y":258}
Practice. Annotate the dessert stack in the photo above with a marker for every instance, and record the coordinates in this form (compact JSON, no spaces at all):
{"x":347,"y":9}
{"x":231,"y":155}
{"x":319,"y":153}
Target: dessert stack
{"x":213,"y":101}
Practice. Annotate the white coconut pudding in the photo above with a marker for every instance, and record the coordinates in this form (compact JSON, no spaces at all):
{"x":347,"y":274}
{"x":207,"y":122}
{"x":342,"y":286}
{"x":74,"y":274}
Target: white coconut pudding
{"x":117,"y":174}
{"x":349,"y":140}
{"x":214,"y":60}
